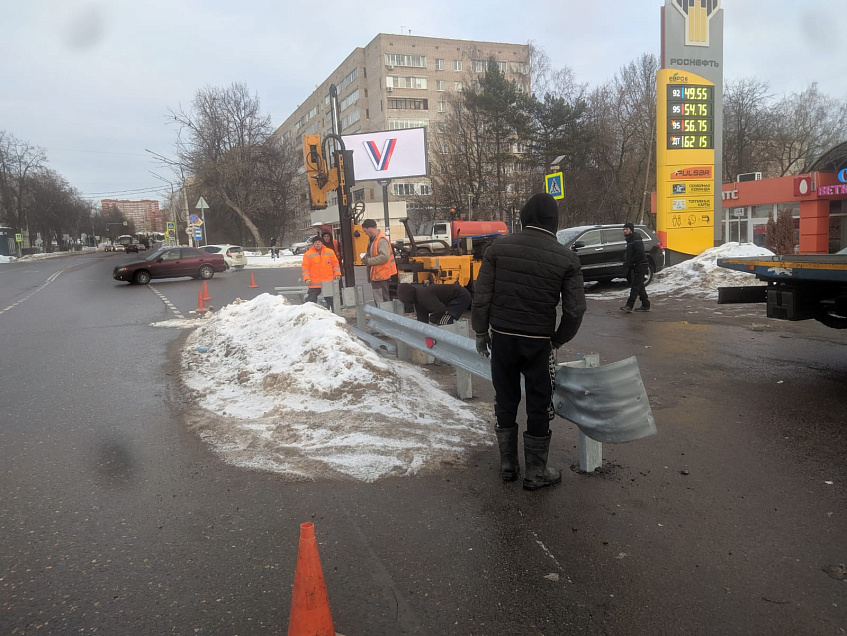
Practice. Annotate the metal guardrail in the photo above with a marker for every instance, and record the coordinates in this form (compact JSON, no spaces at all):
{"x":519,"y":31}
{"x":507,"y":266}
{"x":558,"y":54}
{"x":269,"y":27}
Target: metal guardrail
{"x":607,"y":403}
{"x":452,"y":348}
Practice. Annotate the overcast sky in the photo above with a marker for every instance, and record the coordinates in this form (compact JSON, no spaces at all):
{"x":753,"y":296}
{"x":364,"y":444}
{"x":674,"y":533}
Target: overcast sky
{"x":91,"y":82}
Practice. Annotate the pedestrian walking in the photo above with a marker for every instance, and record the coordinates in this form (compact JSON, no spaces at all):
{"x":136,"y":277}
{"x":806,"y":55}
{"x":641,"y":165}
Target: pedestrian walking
{"x":274,"y":252}
{"x":436,"y":304}
{"x":319,"y":265}
{"x":522,"y":280}
{"x":637,"y":266}
{"x":379,"y":260}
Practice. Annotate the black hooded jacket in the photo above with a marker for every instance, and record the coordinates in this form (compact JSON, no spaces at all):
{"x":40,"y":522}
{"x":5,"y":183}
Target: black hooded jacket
{"x":523,"y":277}
{"x":635,"y":255}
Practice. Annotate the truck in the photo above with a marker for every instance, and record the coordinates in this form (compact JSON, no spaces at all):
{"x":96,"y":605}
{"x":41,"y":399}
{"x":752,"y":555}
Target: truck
{"x":445,"y":235}
{"x":451,"y":252}
{"x":799,"y":287}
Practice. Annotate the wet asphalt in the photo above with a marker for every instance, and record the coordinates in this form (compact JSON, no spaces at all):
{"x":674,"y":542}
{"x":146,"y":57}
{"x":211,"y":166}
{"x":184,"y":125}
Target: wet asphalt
{"x":115,"y":519}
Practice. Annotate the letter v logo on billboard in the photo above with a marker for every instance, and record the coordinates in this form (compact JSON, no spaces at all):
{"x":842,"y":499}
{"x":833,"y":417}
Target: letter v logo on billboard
{"x":388,"y":154}
{"x":380,"y":160}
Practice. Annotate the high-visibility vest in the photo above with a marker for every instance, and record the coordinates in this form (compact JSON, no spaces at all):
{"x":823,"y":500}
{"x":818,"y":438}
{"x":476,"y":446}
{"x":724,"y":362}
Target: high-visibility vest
{"x":318,"y":268}
{"x":387,"y":269}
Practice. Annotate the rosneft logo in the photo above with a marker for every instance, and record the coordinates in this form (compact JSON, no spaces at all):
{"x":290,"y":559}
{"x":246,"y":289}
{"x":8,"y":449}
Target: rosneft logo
{"x":676,"y":78}
{"x":695,"y":172}
{"x":697,"y":14}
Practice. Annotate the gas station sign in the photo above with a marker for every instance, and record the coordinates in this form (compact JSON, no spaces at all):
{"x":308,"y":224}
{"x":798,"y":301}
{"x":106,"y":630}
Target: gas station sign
{"x":685,"y":161}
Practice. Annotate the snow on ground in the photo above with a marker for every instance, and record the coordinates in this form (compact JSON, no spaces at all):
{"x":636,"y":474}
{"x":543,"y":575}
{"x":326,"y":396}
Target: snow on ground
{"x":289,"y":388}
{"x":699,"y":276}
{"x":257,"y":260}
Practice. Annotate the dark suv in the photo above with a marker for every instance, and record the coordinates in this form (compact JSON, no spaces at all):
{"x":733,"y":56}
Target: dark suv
{"x":601,"y":250}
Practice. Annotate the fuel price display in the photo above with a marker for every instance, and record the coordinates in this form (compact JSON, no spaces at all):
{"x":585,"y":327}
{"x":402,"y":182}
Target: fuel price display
{"x":691,"y":112}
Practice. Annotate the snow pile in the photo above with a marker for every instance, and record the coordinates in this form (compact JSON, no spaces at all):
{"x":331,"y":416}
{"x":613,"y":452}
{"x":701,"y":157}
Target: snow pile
{"x":701,"y":276}
{"x":6,"y":259}
{"x":289,"y":388}
{"x":257,"y":260}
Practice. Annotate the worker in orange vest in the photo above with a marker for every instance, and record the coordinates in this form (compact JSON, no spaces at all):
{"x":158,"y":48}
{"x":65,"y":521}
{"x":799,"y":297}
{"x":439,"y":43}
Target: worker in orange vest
{"x":379,"y":259}
{"x":319,"y":265}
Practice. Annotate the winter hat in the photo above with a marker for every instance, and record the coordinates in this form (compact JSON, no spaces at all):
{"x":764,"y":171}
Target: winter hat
{"x":630,"y":226}
{"x":315,"y":238}
{"x":406,"y":294}
{"x":541,"y":211}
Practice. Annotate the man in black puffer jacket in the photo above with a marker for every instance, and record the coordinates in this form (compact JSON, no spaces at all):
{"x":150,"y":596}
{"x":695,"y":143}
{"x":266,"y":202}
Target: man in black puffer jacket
{"x":522,"y":279}
{"x":637,"y":266}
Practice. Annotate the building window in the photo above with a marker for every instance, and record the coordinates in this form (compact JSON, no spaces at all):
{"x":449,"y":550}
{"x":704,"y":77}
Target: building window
{"x":457,"y":65}
{"x":350,"y":119}
{"x":396,"y":81}
{"x":351,"y":99}
{"x":439,"y":65}
{"x":520,"y":67}
{"x":407,"y":103}
{"x":457,"y":86}
{"x":352,"y":76}
{"x":399,"y":59}
{"x":502,"y":66}
{"x":442,"y":85}
{"x":402,"y":124}
{"x":478,"y":66}
{"x":442,"y":107}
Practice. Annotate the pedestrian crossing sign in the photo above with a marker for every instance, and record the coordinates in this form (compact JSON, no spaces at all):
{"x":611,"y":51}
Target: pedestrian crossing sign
{"x":555,"y":185}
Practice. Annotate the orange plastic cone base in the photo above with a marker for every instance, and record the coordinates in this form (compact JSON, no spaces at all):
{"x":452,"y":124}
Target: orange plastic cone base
{"x":310,"y":615}
{"x":201,"y":307}
{"x":206,"y":292}
{"x":252,"y":281}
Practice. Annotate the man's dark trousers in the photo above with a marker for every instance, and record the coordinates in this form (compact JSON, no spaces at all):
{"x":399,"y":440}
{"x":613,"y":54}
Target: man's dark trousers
{"x":637,"y":289}
{"x":512,"y":356}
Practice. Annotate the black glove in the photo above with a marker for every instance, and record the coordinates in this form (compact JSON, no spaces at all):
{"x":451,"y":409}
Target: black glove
{"x":556,"y":343}
{"x":483,"y":344}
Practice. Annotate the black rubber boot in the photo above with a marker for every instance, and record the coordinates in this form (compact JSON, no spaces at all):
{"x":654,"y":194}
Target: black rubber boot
{"x":507,"y":440}
{"x":537,"y":474}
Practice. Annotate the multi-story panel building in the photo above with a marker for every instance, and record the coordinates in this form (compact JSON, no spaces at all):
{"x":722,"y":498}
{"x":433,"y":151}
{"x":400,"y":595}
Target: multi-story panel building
{"x":145,"y":214}
{"x":396,"y":82}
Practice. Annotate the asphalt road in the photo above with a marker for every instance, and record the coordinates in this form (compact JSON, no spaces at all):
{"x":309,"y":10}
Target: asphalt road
{"x":114,"y":519}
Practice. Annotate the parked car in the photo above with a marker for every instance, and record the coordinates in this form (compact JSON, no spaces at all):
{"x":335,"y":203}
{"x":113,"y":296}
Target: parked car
{"x":233,"y":254}
{"x":131,"y":247}
{"x":171,"y":262}
{"x":601,"y":250}
{"x":299,"y":248}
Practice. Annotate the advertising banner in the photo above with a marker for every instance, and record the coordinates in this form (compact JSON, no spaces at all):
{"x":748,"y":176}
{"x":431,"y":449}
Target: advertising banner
{"x":388,"y":154}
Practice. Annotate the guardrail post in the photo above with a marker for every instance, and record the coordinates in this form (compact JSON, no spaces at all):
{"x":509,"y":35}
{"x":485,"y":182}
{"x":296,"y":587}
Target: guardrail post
{"x":332,"y":288}
{"x":396,"y":307}
{"x":464,"y":384}
{"x":590,"y":451}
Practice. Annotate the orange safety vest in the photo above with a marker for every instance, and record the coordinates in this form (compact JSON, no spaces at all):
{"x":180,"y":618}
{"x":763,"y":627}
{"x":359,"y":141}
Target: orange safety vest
{"x":387,"y":269}
{"x":318,"y":268}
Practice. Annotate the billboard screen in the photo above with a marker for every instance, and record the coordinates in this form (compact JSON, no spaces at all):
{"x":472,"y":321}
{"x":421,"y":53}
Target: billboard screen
{"x":388,"y":154}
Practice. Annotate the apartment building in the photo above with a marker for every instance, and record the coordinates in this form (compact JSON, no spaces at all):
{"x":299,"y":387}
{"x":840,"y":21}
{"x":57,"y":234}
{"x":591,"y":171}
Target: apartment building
{"x":396,"y":82}
{"x":145,"y":214}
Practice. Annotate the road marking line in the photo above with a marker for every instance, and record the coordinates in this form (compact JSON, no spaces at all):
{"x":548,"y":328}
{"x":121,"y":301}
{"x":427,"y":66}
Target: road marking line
{"x":49,"y":280}
{"x":167,"y":302}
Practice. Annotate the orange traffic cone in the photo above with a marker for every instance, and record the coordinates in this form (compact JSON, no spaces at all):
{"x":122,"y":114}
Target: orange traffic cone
{"x":201,"y":307}
{"x":252,"y":281}
{"x":206,"y":291}
{"x":310,"y":615}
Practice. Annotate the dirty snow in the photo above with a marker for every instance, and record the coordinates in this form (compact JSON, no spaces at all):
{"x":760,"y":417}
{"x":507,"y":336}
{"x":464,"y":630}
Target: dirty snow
{"x":289,"y":388}
{"x":699,"y":276}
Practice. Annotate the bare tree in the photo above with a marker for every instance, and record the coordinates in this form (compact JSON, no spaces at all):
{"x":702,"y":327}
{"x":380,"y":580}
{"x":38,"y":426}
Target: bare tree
{"x":18,"y":161}
{"x":745,"y":117}
{"x":805,"y":125}
{"x":226,"y":142}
